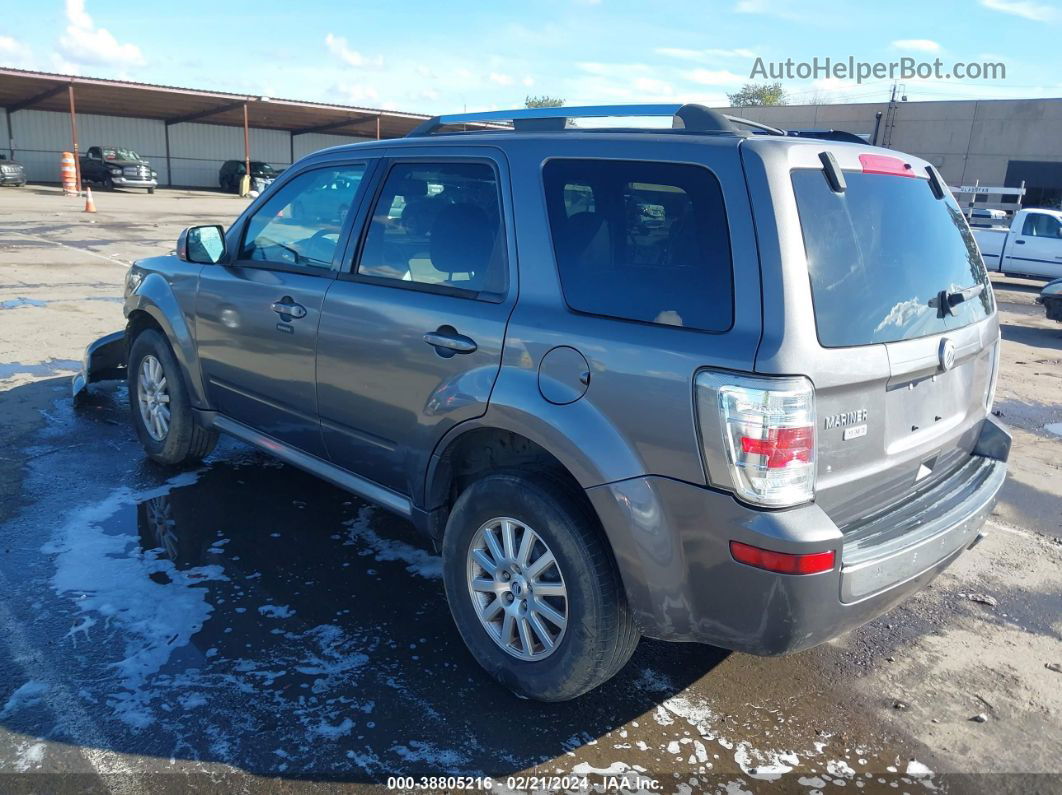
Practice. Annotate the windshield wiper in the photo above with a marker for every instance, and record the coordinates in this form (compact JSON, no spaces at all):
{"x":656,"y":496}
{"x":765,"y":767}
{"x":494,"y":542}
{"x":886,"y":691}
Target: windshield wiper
{"x":946,"y":300}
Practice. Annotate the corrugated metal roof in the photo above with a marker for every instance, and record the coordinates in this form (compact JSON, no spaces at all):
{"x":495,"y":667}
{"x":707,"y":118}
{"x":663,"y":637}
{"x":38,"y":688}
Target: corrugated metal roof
{"x":47,"y":91}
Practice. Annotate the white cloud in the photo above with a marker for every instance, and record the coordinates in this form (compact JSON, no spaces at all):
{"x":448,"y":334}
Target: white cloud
{"x":500,"y":79}
{"x":651,"y":85}
{"x":82,"y":43}
{"x":528,"y":81}
{"x":700,"y":55}
{"x":424,"y":71}
{"x":14,"y":53}
{"x":715,"y":77}
{"x":1021,"y":8}
{"x":752,"y":7}
{"x":918,"y":45}
{"x":337,"y":45}
{"x":358,"y":92}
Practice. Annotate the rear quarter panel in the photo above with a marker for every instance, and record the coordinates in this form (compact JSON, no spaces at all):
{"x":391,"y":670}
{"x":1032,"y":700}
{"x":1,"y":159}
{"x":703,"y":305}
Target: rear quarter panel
{"x":637,"y":414}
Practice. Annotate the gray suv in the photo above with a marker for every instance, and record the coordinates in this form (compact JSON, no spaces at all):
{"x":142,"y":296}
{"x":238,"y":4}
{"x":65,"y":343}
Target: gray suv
{"x":699,"y":383}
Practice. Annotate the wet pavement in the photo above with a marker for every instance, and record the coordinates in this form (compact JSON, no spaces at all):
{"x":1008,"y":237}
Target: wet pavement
{"x":251,"y":615}
{"x":246,"y":626}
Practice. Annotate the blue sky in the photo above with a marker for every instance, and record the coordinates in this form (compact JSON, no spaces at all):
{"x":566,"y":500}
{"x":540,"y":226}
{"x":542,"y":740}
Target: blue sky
{"x":446,"y":55}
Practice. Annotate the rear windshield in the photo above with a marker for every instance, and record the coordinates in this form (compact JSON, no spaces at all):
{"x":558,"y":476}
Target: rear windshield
{"x":879,"y":255}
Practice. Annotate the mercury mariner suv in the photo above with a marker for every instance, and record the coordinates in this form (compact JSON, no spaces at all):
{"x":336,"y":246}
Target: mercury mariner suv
{"x":705,"y":383}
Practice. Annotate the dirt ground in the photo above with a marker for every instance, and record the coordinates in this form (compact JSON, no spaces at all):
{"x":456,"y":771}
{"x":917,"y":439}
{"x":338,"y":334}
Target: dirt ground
{"x":246,"y":627}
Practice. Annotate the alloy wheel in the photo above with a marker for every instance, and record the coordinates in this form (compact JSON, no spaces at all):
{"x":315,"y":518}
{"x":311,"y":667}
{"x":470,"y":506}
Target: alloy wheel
{"x":517,"y":589}
{"x":153,"y":398}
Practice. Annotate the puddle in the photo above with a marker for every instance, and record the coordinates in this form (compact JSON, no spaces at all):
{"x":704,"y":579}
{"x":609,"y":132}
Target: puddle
{"x":253,"y":615}
{"x":15,"y":303}
{"x":1055,"y":428}
{"x":250,"y":609}
{"x":47,"y":367}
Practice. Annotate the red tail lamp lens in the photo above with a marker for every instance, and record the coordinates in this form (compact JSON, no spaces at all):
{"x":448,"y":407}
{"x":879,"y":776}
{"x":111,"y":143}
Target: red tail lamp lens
{"x":782,"y":446}
{"x":782,"y":562}
{"x":883,"y":164}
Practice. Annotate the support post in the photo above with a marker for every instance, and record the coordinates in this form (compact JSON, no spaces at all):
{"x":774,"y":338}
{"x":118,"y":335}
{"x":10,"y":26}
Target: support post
{"x":377,"y":127}
{"x":169,"y":165}
{"x":73,"y":137}
{"x":246,"y":147}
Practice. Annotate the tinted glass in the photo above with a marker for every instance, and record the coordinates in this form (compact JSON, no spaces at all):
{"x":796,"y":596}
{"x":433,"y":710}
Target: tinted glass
{"x":438,"y":224}
{"x":301,"y":223}
{"x":641,"y":241}
{"x":880,"y":253}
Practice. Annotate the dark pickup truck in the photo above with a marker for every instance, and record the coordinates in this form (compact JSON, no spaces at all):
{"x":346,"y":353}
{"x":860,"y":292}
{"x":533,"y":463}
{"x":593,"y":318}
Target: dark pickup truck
{"x":117,"y":167}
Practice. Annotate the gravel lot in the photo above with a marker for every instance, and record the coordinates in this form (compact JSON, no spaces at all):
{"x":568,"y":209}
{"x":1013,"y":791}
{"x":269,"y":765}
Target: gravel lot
{"x":288,"y":633}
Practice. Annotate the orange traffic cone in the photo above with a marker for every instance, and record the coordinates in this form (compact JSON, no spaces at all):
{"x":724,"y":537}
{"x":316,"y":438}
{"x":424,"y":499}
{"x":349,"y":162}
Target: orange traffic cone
{"x":90,"y":206}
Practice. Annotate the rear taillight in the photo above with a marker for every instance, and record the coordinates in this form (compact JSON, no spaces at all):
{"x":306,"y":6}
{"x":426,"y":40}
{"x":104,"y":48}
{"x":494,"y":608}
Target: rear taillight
{"x":758,"y":436}
{"x":782,"y":562}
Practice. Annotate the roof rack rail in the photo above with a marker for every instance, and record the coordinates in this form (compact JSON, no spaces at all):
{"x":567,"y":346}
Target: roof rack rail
{"x":695,"y":118}
{"x":755,"y":125}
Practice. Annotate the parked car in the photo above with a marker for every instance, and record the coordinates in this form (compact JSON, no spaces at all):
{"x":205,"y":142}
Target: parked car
{"x":988,"y":217}
{"x":231,"y":171}
{"x":1051,"y":298}
{"x":1032,"y":246}
{"x":759,"y":426}
{"x":11,"y":172}
{"x":112,"y":167}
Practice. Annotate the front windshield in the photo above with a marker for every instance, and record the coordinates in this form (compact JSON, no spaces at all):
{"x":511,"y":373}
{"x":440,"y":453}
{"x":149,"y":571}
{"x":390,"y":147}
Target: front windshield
{"x":120,"y":154}
{"x":262,"y":168}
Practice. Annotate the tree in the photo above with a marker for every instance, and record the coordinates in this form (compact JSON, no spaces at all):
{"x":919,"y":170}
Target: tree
{"x":752,"y":94}
{"x":544,"y":101}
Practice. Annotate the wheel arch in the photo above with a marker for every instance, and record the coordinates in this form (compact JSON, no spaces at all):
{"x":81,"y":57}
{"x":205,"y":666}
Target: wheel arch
{"x":153,"y":305}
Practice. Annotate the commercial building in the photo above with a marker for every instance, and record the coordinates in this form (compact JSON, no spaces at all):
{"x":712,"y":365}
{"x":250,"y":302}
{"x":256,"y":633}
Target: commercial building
{"x":996,"y":142}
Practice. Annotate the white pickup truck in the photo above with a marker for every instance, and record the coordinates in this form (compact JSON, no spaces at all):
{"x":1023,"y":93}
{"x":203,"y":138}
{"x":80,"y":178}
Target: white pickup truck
{"x":1031,"y":247}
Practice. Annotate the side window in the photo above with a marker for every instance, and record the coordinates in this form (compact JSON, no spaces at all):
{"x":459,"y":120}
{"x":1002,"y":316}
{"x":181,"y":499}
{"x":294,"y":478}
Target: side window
{"x":438,"y":224}
{"x":1040,"y":225}
{"x":94,"y":153}
{"x":641,"y":241}
{"x":300,"y":225}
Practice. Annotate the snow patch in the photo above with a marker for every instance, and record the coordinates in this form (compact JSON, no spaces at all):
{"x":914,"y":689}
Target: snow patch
{"x":418,"y":561}
{"x":107,"y":578}
{"x":276,"y":611}
{"x":25,"y":696}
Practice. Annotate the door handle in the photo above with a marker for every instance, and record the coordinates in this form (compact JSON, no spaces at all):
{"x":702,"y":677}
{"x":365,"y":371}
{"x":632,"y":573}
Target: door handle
{"x":1019,"y":242}
{"x":447,"y":341}
{"x":286,"y":306}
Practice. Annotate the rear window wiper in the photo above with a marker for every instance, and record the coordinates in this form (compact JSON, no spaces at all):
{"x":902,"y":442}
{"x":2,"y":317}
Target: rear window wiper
{"x":946,"y":300}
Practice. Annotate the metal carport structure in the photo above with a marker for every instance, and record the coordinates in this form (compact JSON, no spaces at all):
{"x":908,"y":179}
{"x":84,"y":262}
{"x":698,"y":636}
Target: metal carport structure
{"x":42,"y":114}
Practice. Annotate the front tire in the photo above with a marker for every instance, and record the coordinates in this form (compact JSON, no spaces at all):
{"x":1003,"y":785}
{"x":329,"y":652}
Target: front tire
{"x":159,"y":404}
{"x":151,"y":191}
{"x":533,"y":587}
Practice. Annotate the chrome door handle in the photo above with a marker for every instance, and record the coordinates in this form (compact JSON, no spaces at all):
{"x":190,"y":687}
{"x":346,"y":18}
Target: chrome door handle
{"x":289,"y":308}
{"x":450,"y":340}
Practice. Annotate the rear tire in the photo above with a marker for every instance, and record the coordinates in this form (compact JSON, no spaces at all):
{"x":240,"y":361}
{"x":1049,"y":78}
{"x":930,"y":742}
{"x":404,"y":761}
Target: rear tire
{"x":599,"y":634}
{"x":151,"y":191}
{"x":159,"y":405}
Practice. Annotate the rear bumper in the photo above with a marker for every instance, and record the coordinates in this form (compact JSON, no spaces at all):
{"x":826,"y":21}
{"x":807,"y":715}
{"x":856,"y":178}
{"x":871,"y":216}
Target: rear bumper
{"x":671,"y":541}
{"x":104,"y":360}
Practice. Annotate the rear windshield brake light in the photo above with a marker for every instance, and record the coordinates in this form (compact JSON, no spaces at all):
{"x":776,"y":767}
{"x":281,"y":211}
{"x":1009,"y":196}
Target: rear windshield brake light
{"x":884,"y":164}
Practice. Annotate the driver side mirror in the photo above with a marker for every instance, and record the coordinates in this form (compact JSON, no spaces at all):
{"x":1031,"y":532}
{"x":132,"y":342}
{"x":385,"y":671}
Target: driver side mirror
{"x":204,"y":245}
